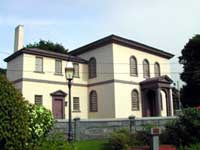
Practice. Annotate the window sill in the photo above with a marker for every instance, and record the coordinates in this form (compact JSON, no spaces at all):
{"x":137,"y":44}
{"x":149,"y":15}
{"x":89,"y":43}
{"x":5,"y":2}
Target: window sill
{"x":39,"y":72}
{"x":76,"y":76}
{"x":56,"y":74}
{"x":133,"y":75}
{"x":76,"y":111}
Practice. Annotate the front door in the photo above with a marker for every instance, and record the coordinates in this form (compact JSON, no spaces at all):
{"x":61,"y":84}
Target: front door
{"x":58,"y":108}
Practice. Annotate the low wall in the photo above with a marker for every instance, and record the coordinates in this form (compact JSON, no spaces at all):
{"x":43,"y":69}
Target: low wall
{"x":101,"y":128}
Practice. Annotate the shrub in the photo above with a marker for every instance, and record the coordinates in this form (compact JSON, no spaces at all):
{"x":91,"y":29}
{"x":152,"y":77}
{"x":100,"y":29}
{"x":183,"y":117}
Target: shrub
{"x":191,"y":147}
{"x":122,"y":138}
{"x":40,"y":123}
{"x":13,"y":117}
{"x":119,"y":139}
{"x":55,"y":141}
{"x":185,"y":130}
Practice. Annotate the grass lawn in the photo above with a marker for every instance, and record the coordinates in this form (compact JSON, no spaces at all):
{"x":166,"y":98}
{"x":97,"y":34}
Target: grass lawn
{"x":92,"y":144}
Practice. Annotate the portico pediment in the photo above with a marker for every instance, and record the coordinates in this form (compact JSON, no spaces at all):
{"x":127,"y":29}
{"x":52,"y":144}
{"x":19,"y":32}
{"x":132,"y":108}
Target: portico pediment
{"x":58,"y":93}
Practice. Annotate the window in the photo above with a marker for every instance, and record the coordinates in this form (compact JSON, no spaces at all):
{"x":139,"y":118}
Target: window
{"x":135,"y":100}
{"x":133,"y":66}
{"x":92,"y":68}
{"x":93,"y":101}
{"x":58,"y":67}
{"x":76,"y":104}
{"x":38,"y":99}
{"x":157,"y":69}
{"x":146,"y":71}
{"x":39,"y":64}
{"x":161,"y":101}
{"x":76,"y":70}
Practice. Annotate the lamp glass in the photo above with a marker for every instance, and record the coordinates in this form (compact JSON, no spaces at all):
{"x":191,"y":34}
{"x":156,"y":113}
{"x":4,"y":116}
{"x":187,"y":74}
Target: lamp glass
{"x":69,"y":71}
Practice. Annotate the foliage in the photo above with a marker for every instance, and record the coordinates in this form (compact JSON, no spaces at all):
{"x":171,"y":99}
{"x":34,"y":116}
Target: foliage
{"x":40,"y":123}
{"x":92,"y":145}
{"x":13,"y":117}
{"x":195,"y":146}
{"x":48,"y":45}
{"x":2,"y":71}
{"x":191,"y":72}
{"x":122,"y":138}
{"x":185,"y":130}
{"x":55,"y":141}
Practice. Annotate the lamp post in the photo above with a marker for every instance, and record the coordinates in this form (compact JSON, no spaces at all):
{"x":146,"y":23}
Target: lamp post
{"x":69,"y":74}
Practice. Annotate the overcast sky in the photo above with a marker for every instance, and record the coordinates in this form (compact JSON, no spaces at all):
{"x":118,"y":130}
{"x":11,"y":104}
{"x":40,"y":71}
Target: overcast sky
{"x":164,"y":24}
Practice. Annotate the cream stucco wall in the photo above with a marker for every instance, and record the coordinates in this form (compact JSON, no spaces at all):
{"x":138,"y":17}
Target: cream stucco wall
{"x":106,"y":103}
{"x":36,"y":88}
{"x":121,"y":57}
{"x":104,"y":61}
{"x":49,"y":70}
{"x":123,"y":100}
{"x":15,"y":68}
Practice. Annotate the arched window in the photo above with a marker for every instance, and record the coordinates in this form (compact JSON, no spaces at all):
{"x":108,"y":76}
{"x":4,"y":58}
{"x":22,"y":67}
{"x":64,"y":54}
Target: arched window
{"x":92,"y":68}
{"x":93,"y":102}
{"x":146,"y":70}
{"x":135,"y":100}
{"x":133,"y":66}
{"x":157,"y":69}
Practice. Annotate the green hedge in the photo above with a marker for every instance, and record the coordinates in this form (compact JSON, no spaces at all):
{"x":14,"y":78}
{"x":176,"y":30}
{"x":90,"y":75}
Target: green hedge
{"x":13,"y":117}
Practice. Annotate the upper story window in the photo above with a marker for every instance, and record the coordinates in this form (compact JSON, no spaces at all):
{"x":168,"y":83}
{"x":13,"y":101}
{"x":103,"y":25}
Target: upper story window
{"x":92,"y":68}
{"x":93,"y":106}
{"x":146,"y":70}
{"x":76,"y":104}
{"x":133,"y":66}
{"x":157,"y":69}
{"x":135,"y":100}
{"x":38,"y":99}
{"x":76,"y":70}
{"x":39,"y":64}
{"x":58,"y":67}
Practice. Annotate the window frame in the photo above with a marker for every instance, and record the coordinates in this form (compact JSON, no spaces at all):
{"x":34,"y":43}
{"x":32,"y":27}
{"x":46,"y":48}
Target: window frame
{"x":76,"y":110}
{"x":137,"y":102}
{"x":91,"y":107}
{"x":58,"y":73}
{"x":158,"y":73}
{"x":135,"y":74}
{"x":36,"y":69}
{"x":145,"y":67}
{"x":92,"y":73}
{"x":78,"y":74}
{"x":41,"y":102}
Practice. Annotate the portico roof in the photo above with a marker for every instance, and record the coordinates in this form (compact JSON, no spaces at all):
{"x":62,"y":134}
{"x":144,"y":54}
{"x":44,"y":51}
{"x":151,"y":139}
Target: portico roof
{"x":161,"y":81}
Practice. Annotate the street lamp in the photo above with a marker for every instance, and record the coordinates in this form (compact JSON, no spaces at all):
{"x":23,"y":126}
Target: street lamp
{"x":69,"y":74}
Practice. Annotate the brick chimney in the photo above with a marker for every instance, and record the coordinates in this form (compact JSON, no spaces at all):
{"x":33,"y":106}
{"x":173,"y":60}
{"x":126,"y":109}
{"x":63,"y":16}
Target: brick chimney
{"x":19,"y":38}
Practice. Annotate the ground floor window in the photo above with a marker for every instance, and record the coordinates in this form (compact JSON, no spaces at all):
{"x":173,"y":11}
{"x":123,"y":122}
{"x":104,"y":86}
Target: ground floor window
{"x":38,"y":99}
{"x":76,"y":104}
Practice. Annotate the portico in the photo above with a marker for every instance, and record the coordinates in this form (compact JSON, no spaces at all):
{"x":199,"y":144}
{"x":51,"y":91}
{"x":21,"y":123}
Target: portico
{"x":152,"y":98}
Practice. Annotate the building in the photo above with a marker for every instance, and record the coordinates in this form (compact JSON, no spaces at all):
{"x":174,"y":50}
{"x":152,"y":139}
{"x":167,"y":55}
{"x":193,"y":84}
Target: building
{"x":114,"y":78}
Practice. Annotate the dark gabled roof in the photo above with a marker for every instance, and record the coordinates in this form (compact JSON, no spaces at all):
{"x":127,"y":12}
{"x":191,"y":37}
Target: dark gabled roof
{"x":162,"y":79}
{"x":121,"y":41}
{"x":59,"y":93}
{"x":45,"y":53}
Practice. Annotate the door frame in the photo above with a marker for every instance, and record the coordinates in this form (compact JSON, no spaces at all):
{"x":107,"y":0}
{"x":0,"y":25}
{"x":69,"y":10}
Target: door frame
{"x":63,"y":105}
{"x":59,"y":94}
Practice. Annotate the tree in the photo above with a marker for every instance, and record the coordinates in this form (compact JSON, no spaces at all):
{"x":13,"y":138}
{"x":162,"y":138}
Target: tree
{"x":190,"y":60}
{"x":2,"y":71}
{"x":48,"y":45}
{"x":14,"y":125}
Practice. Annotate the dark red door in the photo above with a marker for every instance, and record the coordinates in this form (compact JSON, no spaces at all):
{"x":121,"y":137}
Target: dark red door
{"x":58,"y":110}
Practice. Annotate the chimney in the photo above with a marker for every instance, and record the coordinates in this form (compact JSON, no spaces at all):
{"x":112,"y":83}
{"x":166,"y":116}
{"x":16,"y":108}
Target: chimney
{"x":19,"y":37}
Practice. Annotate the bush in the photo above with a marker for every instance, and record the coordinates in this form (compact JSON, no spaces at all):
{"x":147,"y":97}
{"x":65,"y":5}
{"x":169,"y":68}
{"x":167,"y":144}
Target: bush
{"x":13,"y":117}
{"x":55,"y":141}
{"x":191,"y":147}
{"x":40,"y":123}
{"x":185,"y":130}
{"x":122,"y":139}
